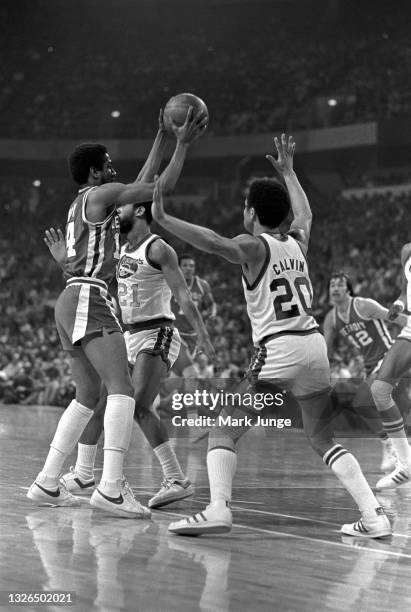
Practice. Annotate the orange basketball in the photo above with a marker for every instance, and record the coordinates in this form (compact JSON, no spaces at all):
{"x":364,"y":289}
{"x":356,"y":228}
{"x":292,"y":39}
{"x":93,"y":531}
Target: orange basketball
{"x":177,"y":109}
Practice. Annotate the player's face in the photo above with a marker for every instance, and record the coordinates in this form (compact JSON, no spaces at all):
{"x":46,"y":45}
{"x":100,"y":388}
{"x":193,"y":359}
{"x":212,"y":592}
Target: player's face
{"x":338,"y":290}
{"x":108,"y":174}
{"x":127,"y":218}
{"x":188,"y":268}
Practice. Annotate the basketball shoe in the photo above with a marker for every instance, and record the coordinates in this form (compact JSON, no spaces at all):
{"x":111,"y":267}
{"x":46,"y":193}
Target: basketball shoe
{"x":401,"y":475}
{"x":125,"y":504}
{"x":374,"y":524}
{"x":216,"y":518}
{"x":41,"y":492}
{"x":171,"y":490}
{"x":75,"y":484}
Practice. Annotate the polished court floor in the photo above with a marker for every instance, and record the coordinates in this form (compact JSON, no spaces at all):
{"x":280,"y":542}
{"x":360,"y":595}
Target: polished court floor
{"x":284,"y":553}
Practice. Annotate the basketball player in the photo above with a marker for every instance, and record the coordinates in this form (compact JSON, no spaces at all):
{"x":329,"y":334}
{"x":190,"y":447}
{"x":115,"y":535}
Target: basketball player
{"x":289,"y":347}
{"x":394,"y":366}
{"x":202,"y":297}
{"x":147,"y":270}
{"x":88,"y":327}
{"x":361,"y":321}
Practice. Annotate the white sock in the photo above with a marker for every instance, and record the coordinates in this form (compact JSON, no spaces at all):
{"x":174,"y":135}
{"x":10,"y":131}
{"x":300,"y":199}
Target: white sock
{"x":168,"y":461}
{"x":118,"y":423}
{"x":221,"y":467}
{"x":347,"y":469}
{"x":70,"y":427}
{"x":86,"y":455}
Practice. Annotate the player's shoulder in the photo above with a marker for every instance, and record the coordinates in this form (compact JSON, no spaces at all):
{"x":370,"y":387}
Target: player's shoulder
{"x":159,"y":249}
{"x":300,"y":236}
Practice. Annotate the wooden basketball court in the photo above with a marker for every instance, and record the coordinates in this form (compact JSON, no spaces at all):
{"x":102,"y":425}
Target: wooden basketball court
{"x":284,"y":553}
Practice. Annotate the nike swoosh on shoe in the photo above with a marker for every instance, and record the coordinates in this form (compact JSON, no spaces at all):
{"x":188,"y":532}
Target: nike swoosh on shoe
{"x":51,"y":493}
{"x":114,"y":500}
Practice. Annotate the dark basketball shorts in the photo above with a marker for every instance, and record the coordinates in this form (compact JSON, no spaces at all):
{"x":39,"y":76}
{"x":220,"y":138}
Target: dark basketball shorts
{"x":84,"y":309}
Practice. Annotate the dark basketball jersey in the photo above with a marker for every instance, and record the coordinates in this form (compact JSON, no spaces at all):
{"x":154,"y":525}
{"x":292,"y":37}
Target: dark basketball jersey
{"x":93,"y":249}
{"x":370,"y":336}
{"x":198,"y":296}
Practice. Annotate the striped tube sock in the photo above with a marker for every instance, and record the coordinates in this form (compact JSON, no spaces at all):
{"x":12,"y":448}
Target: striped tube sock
{"x":221,"y":467}
{"x":393,"y":424}
{"x":348,"y":471}
{"x":168,"y":461}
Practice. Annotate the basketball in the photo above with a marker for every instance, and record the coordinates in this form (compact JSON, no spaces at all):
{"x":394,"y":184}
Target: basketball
{"x":177,"y":109}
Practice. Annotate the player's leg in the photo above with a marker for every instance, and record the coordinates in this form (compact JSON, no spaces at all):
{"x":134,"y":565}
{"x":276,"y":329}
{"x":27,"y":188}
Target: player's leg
{"x":363,"y":404}
{"x":46,"y":487}
{"x":80,"y":479}
{"x":148,"y":371}
{"x":318,"y":418}
{"x":107,"y":353}
{"x":395,"y":364}
{"x":221,"y":468}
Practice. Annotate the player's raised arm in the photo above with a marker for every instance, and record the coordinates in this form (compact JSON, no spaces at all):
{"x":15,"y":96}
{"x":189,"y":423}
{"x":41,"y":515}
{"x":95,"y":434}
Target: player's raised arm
{"x":243,"y":249}
{"x":301,"y":225}
{"x":165,"y":256}
{"x":371,"y":309}
{"x":121,"y":194}
{"x":153,"y":161}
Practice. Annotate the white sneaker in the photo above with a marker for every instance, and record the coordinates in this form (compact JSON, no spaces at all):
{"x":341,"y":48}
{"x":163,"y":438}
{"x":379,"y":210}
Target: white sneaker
{"x":75,"y":484}
{"x":171,"y":491}
{"x":216,"y":518}
{"x":124,"y":505}
{"x":57,"y":497}
{"x":389,"y":457}
{"x":401,"y":475}
{"x":373,"y":524}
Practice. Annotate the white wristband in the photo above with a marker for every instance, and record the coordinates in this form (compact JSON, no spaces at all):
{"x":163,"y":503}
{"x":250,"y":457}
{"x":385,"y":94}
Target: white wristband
{"x":401,"y":304}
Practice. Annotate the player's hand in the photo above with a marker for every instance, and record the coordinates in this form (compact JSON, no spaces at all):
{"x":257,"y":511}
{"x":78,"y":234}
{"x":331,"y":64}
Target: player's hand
{"x":157,"y":207}
{"x":56,"y":244}
{"x":394,"y":310}
{"x":205,"y":346}
{"x":193,"y":127}
{"x":285,"y":152}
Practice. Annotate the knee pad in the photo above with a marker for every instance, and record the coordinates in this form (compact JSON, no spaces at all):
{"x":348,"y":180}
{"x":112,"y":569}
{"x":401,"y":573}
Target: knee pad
{"x":382,"y":394}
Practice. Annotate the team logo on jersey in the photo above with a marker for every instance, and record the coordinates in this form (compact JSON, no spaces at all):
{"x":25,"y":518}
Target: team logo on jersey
{"x":127,"y":267}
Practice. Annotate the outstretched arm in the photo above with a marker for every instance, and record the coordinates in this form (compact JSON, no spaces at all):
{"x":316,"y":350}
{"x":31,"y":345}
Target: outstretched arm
{"x":153,"y":161}
{"x":301,"y":225}
{"x":371,"y":309}
{"x":120,"y":194}
{"x":165,"y":256}
{"x":243,"y":249}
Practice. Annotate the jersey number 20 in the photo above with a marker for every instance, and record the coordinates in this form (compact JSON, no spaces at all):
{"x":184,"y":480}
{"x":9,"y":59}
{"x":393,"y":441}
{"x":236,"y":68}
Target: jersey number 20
{"x":302,"y":286}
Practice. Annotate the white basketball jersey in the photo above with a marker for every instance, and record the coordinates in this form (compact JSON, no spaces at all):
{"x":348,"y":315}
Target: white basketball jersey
{"x":143,"y":293}
{"x":280,"y":298}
